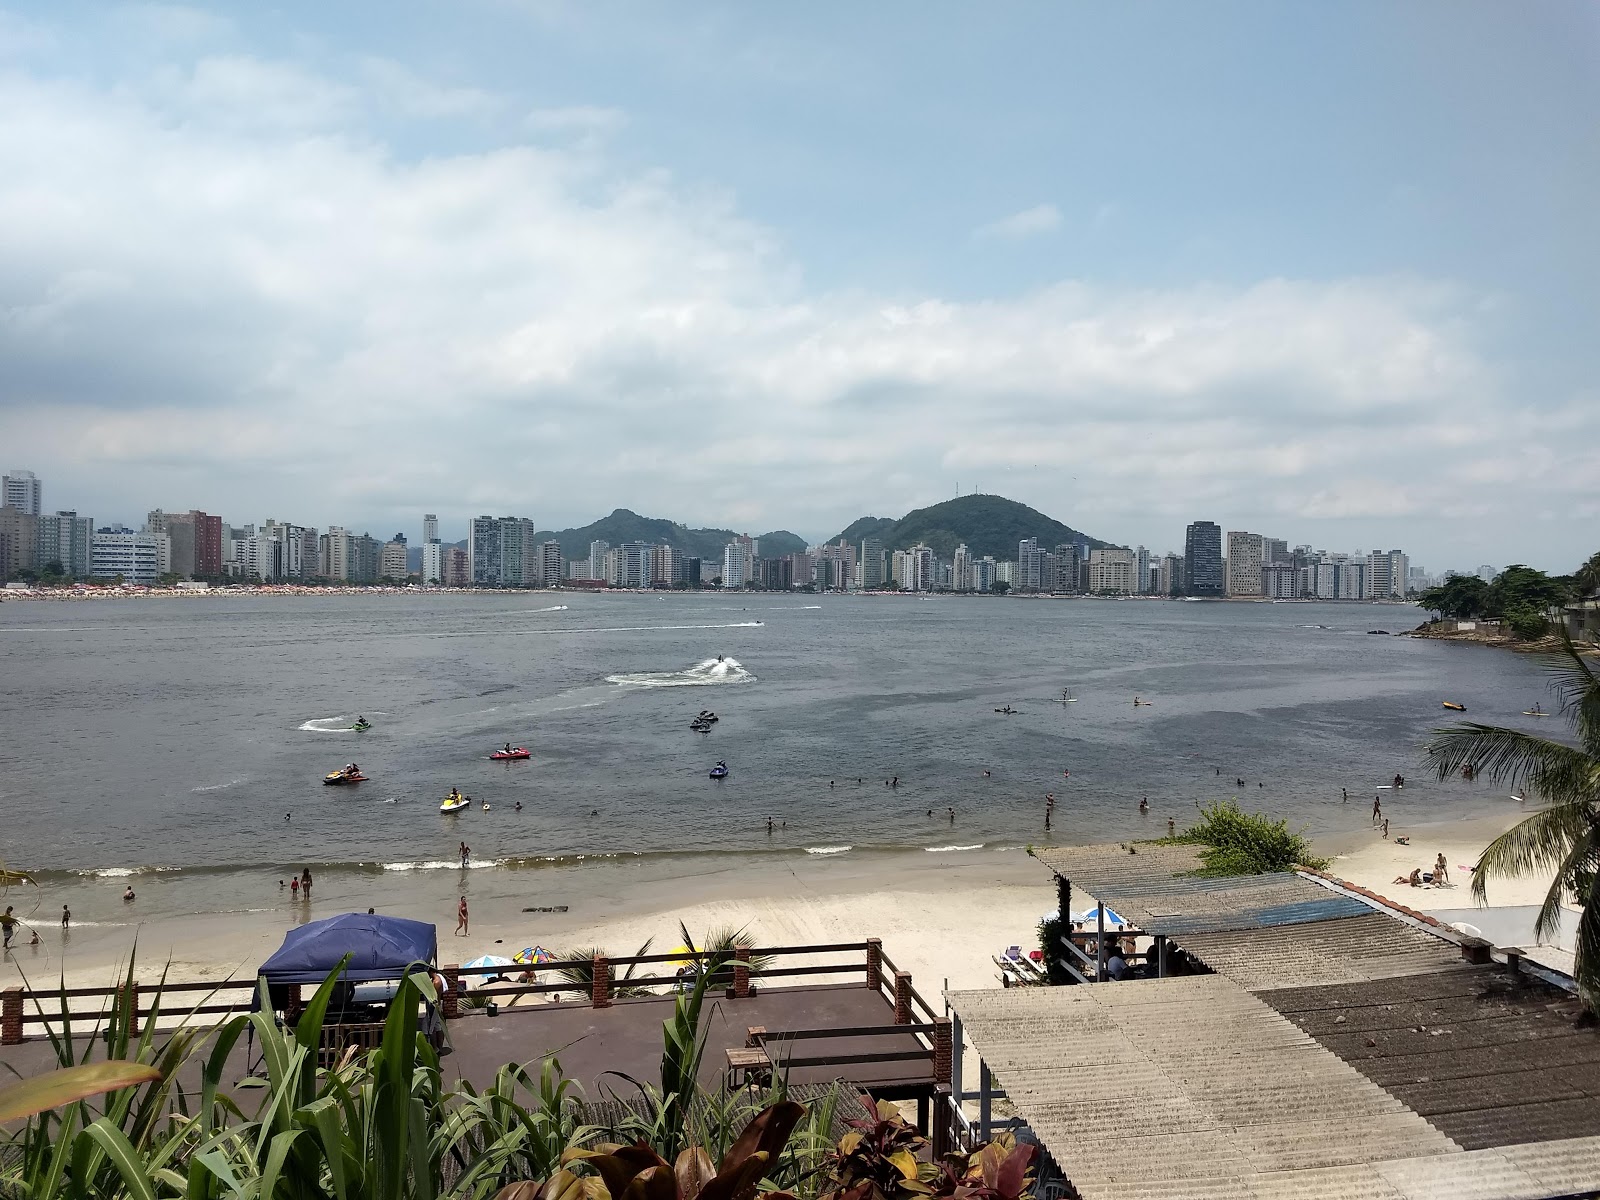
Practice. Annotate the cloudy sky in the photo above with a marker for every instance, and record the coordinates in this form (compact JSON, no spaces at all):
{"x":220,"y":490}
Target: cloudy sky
{"x":1323,"y":272}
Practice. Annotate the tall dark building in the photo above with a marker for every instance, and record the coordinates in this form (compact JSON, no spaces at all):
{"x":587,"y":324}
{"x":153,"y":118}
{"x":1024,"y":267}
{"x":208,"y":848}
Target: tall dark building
{"x":1202,"y":559}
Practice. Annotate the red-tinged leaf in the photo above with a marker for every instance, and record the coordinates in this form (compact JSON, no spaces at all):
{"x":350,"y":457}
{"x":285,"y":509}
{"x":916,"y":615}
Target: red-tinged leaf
{"x":1013,"y":1171}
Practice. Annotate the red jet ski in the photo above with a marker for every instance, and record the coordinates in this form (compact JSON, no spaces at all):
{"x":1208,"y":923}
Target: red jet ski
{"x":510,"y":755}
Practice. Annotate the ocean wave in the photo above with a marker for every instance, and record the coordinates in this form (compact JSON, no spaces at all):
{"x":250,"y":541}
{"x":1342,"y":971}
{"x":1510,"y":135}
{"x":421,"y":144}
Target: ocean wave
{"x":948,"y":849}
{"x":711,"y":671}
{"x":828,"y":849}
{"x":121,"y":872}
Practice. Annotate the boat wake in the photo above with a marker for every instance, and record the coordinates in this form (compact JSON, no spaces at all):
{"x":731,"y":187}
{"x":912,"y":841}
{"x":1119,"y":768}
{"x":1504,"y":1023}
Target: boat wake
{"x":219,"y":787}
{"x":711,"y":671}
{"x":328,"y":725}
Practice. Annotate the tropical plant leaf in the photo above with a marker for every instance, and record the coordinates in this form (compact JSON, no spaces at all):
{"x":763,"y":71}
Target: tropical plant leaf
{"x":66,"y":1084}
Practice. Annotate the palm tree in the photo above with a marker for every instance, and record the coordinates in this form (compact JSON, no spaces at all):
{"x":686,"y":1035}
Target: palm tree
{"x":1587,"y":577}
{"x":1564,"y":836}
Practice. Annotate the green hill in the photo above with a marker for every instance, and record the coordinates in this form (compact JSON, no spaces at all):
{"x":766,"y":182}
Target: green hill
{"x":989,"y":525}
{"x":624,"y":525}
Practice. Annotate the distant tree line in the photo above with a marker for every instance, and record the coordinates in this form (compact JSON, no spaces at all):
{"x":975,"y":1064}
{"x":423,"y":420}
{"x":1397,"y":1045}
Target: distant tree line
{"x":1521,"y":596}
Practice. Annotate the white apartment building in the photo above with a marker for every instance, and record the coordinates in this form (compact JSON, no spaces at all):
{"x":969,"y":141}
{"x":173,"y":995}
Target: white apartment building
{"x":961,"y":569}
{"x":549,"y":564}
{"x":983,"y":574}
{"x":432,"y":562}
{"x":21,"y":490}
{"x":392,"y":562}
{"x":1246,"y":553}
{"x":737,"y":563}
{"x":134,"y":556}
{"x":597,"y":560}
{"x":1112,"y":571}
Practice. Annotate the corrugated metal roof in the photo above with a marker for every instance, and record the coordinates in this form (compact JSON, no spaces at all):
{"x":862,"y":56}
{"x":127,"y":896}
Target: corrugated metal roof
{"x":1186,"y":1087}
{"x":1319,"y":953}
{"x":1154,"y":888}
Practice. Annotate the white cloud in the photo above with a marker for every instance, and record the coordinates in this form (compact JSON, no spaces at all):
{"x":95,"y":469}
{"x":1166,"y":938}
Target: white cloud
{"x":1030,"y":222}
{"x":219,"y":290}
{"x":580,"y":119}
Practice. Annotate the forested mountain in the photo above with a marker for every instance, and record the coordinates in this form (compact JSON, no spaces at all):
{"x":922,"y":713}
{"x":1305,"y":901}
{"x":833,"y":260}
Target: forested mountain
{"x":624,"y":525}
{"x":987,"y":524}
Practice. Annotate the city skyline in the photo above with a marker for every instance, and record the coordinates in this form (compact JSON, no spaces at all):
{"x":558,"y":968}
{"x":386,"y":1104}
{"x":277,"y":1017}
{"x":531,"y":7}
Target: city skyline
{"x":771,"y":270}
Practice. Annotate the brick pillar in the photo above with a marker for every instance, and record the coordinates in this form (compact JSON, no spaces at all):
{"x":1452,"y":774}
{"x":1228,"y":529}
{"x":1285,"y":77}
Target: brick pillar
{"x":292,"y":1004}
{"x":942,"y":1048}
{"x":11,"y":1016}
{"x":902,"y":997}
{"x":600,"y":987}
{"x":1475,"y":951}
{"x":875,"y":964}
{"x":450,"y":1001}
{"x":128,"y":1002}
{"x":741,"y":971}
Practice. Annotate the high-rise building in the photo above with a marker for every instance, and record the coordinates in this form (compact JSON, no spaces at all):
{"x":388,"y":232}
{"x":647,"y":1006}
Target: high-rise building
{"x":920,"y":568}
{"x":502,"y":552}
{"x":64,"y":538}
{"x":293,"y":553}
{"x":118,"y":552}
{"x":1387,"y":572}
{"x":196,"y":539}
{"x":549,"y":563}
{"x":22,"y":491}
{"x":19,"y":541}
{"x":1280,"y":580}
{"x":392,"y":562}
{"x":630,"y":565}
{"x":1202,"y":559}
{"x":1143,"y":561}
{"x":457,"y":567}
{"x":1113,"y":571}
{"x":333,"y":553}
{"x":430,"y":528}
{"x":366,"y":559}
{"x":483,"y":552}
{"x":1006,"y":573}
{"x":1246,"y":553}
{"x":1171,"y":575}
{"x":871,"y":563}
{"x":1062,"y":572}
{"x":433,"y":562}
{"x":597,"y":559}
{"x":983,"y":574}
{"x":1274,"y":550}
{"x":1485,"y":573}
{"x":737,"y":563}
{"x":1030,"y":566}
{"x":691,"y":571}
{"x":835,"y":566}
{"x":961,"y":570}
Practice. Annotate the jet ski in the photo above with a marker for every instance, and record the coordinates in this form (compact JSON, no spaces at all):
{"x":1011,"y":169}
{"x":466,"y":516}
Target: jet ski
{"x":510,"y":755}
{"x":342,"y":776}
{"x":361,"y":725}
{"x":720,"y":771}
{"x":707,"y":715}
{"x":454,"y":804}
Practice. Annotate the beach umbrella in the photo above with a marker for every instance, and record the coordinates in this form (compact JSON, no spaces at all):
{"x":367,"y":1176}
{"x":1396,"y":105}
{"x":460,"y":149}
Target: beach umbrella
{"x":1089,"y":919}
{"x":537,"y":955}
{"x":486,"y":960}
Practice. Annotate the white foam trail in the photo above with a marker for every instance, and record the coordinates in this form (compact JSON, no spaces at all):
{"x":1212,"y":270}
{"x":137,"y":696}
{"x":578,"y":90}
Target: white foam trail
{"x":711,"y":671}
{"x":828,"y":849}
{"x":517,"y":612}
{"x":947,"y":849}
{"x":328,"y":725}
{"x":218,"y":787}
{"x":123,"y":872}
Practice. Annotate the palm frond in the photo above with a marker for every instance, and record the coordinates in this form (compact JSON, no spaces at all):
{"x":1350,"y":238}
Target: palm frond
{"x":1564,"y":774}
{"x":1586,"y":948}
{"x":1580,"y":859}
{"x":1543,"y":841}
{"x":1577,"y":688}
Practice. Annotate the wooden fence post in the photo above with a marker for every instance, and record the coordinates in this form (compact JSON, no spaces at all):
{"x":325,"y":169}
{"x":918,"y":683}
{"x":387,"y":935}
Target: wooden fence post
{"x":450,"y":1002}
{"x":741,"y":972}
{"x":11,"y":1016}
{"x":600,"y":987}
{"x":875,"y":964}
{"x":902,"y":997}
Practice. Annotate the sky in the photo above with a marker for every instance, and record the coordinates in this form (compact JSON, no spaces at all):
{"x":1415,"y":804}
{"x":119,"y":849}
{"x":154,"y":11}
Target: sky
{"x":1323,"y":272}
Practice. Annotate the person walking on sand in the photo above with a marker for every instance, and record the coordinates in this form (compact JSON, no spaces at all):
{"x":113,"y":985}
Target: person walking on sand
{"x":1377,"y":809}
{"x":66,"y":917}
{"x":1386,"y":827}
{"x":1346,"y":792}
{"x":8,"y":926}
{"x":466,"y":853}
{"x":461,"y":918}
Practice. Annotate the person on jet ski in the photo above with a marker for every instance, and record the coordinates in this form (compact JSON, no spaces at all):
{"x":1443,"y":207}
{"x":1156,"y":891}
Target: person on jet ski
{"x":507,"y":750}
{"x":352,"y":769}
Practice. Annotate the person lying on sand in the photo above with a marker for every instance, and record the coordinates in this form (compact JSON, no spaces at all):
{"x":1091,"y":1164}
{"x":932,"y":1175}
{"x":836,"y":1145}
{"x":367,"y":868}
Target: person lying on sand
{"x":1414,"y":879}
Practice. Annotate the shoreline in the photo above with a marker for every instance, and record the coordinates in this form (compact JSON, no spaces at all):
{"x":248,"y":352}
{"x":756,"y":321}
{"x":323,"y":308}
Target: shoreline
{"x":939,"y":915}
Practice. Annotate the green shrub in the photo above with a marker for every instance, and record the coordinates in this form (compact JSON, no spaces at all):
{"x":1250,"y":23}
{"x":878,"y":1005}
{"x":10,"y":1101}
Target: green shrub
{"x":1235,"y":842}
{"x":1527,"y":622}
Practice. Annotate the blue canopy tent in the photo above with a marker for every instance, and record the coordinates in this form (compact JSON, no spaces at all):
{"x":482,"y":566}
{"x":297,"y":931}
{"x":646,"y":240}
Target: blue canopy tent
{"x":379,"y":948}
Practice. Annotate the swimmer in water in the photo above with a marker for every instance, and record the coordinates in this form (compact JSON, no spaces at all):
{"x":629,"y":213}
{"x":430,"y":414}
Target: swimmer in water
{"x":1144,"y":804}
{"x":986,"y":775}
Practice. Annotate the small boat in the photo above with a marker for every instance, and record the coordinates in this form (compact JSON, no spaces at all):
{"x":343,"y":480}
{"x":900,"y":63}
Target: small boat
{"x":1454,"y":707}
{"x":511,"y":755}
{"x":341,"y":777}
{"x":454,"y":804}
{"x":720,"y":771}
